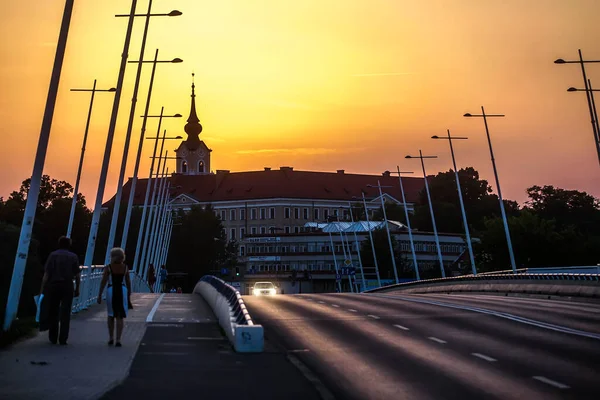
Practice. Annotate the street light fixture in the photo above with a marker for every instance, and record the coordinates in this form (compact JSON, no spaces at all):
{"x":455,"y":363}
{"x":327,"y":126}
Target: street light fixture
{"x":410,"y":236}
{"x":435,"y":232}
{"x":151,"y":180}
{"x":174,"y":13}
{"x":502,"y":210}
{"x":115,"y":216}
{"x":460,"y":197}
{"x":16,"y":283}
{"x":387,"y":228}
{"x":589,"y":96}
{"x":93,"y":90}
{"x":370,"y":238}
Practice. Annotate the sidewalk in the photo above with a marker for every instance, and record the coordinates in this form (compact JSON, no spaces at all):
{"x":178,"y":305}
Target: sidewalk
{"x":180,"y":353}
{"x":84,"y":369}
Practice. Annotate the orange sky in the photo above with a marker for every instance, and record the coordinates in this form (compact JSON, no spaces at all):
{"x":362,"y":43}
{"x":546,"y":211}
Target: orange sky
{"x":318,"y":85}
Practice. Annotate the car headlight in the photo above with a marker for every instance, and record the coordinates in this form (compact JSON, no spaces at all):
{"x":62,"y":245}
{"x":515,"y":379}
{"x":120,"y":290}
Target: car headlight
{"x":256,"y":292}
{"x":272,"y":291}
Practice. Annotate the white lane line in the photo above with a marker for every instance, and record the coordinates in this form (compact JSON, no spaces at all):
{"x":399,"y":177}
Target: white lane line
{"x":512,"y":317}
{"x":352,"y":310}
{"x":322,"y":302}
{"x":335,"y":305}
{"x":550,"y":382}
{"x":373,"y":316}
{"x":402,"y":327}
{"x":484,"y":357}
{"x":436,"y":339}
{"x":153,"y":311}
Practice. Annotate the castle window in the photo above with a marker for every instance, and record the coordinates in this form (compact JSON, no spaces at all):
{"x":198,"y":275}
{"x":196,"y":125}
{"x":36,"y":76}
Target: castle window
{"x":201,"y":166}
{"x":184,"y":167}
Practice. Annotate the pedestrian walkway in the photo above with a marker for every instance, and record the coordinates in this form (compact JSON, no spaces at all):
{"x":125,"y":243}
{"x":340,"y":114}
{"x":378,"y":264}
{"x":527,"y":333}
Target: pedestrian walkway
{"x":84,"y":369}
{"x":172,"y":347}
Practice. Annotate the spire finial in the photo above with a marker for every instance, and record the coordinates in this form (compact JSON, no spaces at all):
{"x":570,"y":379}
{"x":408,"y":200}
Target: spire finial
{"x":193,"y":84}
{"x":193,"y":127}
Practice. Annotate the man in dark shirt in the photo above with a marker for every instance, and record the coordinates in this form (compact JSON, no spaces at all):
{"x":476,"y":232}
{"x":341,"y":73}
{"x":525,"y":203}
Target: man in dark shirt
{"x":61,"y":268}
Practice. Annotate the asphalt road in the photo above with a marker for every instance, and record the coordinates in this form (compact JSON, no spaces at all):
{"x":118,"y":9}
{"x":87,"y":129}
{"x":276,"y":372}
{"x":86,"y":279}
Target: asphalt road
{"x":394,"y":346}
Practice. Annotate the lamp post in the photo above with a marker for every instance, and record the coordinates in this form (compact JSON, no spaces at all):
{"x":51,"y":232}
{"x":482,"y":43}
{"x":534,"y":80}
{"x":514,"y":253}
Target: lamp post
{"x":160,"y":213}
{"x":410,"y":235}
{"x":460,"y":197}
{"x":153,"y":212}
{"x":595,"y":111}
{"x":117,"y":204}
{"x":371,"y":239}
{"x":138,"y":155}
{"x":362,"y":273}
{"x":387,"y":229}
{"x":502,"y":210}
{"x":16,"y":283}
{"x":85,"y":135}
{"x":435,"y":232}
{"x":91,"y":245}
{"x":150,"y":179}
{"x":588,"y":93}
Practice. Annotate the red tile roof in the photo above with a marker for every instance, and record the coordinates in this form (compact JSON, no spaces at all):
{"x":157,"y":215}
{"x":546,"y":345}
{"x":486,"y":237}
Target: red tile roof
{"x":280,"y":183}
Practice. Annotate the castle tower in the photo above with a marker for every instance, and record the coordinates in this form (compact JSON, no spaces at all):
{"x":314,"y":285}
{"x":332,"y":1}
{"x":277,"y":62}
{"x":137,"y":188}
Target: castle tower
{"x":194,"y":153}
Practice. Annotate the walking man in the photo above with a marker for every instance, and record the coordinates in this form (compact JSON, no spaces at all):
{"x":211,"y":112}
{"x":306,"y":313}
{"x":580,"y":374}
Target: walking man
{"x":61,"y":268}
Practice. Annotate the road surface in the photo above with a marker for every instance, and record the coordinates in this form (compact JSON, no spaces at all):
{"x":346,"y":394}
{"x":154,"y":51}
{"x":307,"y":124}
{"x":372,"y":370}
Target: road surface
{"x":394,"y":346}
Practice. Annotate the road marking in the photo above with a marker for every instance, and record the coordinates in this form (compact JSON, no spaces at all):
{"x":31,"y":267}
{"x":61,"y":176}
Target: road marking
{"x":335,"y":305}
{"x":484,"y":357}
{"x":512,"y":317}
{"x":402,"y":327}
{"x":322,"y":302}
{"x":373,"y":316}
{"x":299,"y":351}
{"x":153,"y":311}
{"x":436,"y":339}
{"x":550,"y":382}
{"x":352,"y":310}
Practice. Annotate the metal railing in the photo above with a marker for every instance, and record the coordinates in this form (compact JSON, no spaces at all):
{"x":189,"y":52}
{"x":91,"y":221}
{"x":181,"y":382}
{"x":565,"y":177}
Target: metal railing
{"x":493,"y":277}
{"x":234,"y":298}
{"x":91,"y":277}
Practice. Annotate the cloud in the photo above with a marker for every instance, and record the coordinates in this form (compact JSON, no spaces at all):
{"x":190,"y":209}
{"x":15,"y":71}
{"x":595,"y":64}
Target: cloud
{"x":295,"y":151}
{"x":384,"y":74}
{"x":213,"y":139}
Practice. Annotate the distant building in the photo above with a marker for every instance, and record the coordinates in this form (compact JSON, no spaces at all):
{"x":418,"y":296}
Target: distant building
{"x":274,"y":256}
{"x":271,"y":200}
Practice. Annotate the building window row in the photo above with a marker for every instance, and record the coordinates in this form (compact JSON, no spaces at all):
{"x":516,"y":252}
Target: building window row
{"x":298,"y":213}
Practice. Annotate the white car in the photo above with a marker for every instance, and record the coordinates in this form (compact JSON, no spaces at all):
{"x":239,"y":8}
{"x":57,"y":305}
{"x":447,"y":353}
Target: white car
{"x":264,"y":289}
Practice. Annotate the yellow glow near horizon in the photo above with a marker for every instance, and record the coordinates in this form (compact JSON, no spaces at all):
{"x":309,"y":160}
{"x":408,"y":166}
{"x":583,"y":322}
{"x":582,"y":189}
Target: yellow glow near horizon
{"x":319,"y":85}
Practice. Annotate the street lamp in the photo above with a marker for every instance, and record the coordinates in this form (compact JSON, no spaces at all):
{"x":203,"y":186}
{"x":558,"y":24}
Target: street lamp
{"x":150,"y":181}
{"x":595,"y":111}
{"x":387,"y":228}
{"x":460,"y":197}
{"x":502,"y":210}
{"x":589,"y":96}
{"x":435,"y":232}
{"x":91,"y":245}
{"x":362,"y":272}
{"x":16,"y":283}
{"x":370,"y":238}
{"x":85,"y":135}
{"x":410,"y":236}
{"x":113,"y":227}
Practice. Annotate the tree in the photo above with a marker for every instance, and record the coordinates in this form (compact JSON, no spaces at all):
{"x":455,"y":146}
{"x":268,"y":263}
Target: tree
{"x":393,"y":211}
{"x":199,"y":245}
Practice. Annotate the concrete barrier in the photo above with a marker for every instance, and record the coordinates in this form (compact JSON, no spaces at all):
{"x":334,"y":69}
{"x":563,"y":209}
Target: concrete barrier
{"x":533,"y":287}
{"x":245,"y":338}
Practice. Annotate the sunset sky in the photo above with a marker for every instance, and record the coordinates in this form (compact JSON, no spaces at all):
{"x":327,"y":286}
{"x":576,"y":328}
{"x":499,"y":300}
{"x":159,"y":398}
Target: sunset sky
{"x":315,"y":84}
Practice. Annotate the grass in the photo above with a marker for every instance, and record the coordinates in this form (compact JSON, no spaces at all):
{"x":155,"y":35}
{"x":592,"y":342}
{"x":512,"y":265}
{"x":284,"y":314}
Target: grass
{"x":21,"y":329}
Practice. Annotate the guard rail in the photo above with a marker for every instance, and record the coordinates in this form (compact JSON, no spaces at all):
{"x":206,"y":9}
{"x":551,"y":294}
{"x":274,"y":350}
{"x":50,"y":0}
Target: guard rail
{"x":228,"y":306}
{"x":460,"y":283}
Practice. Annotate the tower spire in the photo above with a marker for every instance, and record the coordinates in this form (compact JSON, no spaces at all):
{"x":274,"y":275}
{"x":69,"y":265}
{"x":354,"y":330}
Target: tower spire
{"x":193,"y":128}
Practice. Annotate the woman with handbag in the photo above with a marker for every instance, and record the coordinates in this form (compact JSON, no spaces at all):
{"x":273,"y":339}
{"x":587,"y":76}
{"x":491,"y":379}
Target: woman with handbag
{"x":116,"y":275}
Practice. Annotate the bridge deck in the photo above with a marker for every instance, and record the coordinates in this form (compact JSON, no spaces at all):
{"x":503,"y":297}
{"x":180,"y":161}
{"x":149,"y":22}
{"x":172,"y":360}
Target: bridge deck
{"x":172,"y":346}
